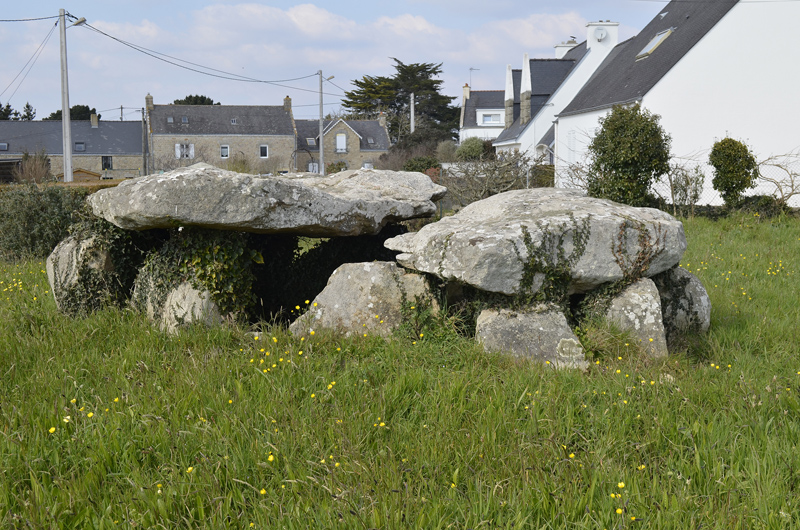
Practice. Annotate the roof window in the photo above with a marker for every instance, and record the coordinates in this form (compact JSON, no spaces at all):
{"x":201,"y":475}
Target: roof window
{"x":311,"y":141}
{"x":654,"y":43}
{"x":3,"y":146}
{"x":370,"y":140}
{"x":169,"y":119}
{"x":184,"y":119}
{"x":234,"y":121}
{"x":80,"y":146}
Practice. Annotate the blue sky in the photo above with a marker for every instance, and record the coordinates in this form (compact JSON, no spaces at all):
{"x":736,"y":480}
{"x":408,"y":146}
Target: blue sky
{"x":271,"y":41}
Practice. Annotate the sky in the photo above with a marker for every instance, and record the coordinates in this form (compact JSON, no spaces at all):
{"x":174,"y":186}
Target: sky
{"x":279,"y":41}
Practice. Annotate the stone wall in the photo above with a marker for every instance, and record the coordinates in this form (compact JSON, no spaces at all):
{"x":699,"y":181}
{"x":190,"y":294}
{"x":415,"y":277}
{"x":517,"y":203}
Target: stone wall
{"x":207,"y":149}
{"x":124,"y":166}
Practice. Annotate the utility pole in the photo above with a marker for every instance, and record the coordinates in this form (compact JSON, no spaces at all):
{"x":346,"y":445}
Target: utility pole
{"x":120,"y":113}
{"x":66,"y":128}
{"x":321,"y":139}
{"x":412,"y":113}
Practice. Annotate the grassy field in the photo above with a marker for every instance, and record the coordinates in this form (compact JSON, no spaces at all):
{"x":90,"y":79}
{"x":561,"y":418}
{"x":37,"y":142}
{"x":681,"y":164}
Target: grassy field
{"x":108,"y":423}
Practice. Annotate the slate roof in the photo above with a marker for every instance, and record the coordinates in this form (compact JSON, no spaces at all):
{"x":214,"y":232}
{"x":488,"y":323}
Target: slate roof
{"x":546,"y":76}
{"x":110,"y":138}
{"x":259,"y":120}
{"x":623,"y":79}
{"x":482,"y":99}
{"x":366,"y":129}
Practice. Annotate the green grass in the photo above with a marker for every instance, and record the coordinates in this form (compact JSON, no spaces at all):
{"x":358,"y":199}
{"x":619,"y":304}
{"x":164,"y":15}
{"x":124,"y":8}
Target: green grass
{"x":432,"y":434}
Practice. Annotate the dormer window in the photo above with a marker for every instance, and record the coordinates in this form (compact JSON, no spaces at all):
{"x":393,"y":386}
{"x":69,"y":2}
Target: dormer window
{"x":234,"y":121}
{"x":80,"y":147}
{"x":491,"y":119}
{"x":654,"y":43}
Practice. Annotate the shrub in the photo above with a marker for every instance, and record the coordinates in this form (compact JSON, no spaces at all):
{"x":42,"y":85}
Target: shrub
{"x":471,"y":149}
{"x":468,"y":182}
{"x":33,"y":219}
{"x":686,"y":188}
{"x":446,"y":151}
{"x":735,"y":169}
{"x":335,"y":167}
{"x":33,"y":168}
{"x":421,"y":164}
{"x":629,"y":152}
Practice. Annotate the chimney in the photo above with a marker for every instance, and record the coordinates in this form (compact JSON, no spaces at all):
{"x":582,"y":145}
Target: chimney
{"x":602,"y":34}
{"x":509,"y":97}
{"x":148,"y":102}
{"x":525,"y":91}
{"x":464,"y":103}
{"x":564,"y":47}
{"x":94,"y":120}
{"x":287,"y":104}
{"x":382,"y":120}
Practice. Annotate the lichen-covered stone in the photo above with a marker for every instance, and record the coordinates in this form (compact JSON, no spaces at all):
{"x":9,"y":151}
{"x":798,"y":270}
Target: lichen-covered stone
{"x":637,"y":309}
{"x":542,"y":334}
{"x":364,"y":298}
{"x":593,"y":241}
{"x":67,"y":267}
{"x":186,"y":305}
{"x":344,"y":204}
{"x":685,"y":304}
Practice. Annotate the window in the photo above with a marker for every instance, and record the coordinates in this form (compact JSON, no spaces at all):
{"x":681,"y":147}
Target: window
{"x":313,"y":167}
{"x":4,"y":146}
{"x":80,"y":147}
{"x":311,"y":141}
{"x":184,"y":150}
{"x":223,"y":151}
{"x":370,"y":140}
{"x":263,"y":151}
{"x":341,"y":143}
{"x":170,"y":119}
{"x":184,"y":119}
{"x":654,"y":43}
{"x":367,"y":165}
{"x":106,"y":163}
{"x":491,"y":119}
{"x":234,"y":121}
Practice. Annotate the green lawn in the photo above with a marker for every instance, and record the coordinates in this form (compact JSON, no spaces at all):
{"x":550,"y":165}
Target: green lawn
{"x":108,"y":423}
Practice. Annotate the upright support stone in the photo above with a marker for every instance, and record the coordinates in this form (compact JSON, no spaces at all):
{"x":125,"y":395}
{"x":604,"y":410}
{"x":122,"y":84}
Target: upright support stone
{"x":637,"y":310}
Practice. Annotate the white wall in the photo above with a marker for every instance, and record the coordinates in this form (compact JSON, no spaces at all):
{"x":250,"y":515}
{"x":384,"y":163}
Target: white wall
{"x":741,"y":80}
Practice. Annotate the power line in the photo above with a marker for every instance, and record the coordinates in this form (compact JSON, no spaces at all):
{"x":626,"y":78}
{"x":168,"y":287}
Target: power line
{"x":34,"y":58}
{"x":227,"y":75}
{"x":26,"y":19}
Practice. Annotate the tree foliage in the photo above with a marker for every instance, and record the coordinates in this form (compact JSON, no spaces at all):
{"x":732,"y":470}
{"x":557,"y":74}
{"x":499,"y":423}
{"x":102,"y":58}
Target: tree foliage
{"x":434,"y":116}
{"x":8,"y":113}
{"x":735,"y":169}
{"x":195,"y":100}
{"x":474,"y":149}
{"x":76,"y":112}
{"x":629,"y":152}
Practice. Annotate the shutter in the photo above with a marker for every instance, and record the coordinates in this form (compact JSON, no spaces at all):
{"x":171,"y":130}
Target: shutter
{"x":191,"y":150}
{"x":177,"y":150}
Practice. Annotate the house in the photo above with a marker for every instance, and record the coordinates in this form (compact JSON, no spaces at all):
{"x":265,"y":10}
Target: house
{"x":482,"y":114}
{"x":710,"y":69}
{"x":355,"y":143}
{"x":260,"y":136}
{"x":536,"y":94}
{"x":100,"y":149}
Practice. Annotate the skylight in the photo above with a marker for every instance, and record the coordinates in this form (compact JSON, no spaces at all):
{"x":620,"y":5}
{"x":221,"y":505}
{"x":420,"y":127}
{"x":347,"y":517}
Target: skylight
{"x":654,"y":43}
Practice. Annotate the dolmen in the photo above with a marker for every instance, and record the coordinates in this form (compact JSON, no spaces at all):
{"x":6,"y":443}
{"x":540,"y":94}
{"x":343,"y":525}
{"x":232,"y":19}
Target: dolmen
{"x":191,"y":246}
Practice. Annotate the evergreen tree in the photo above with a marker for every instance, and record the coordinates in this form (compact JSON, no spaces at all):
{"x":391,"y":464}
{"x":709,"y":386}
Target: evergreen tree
{"x":195,"y":100}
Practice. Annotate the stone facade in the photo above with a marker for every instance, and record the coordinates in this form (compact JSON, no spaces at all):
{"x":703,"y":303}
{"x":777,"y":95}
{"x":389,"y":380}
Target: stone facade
{"x":355,"y":143}
{"x":209,"y":149}
{"x":122,"y":166}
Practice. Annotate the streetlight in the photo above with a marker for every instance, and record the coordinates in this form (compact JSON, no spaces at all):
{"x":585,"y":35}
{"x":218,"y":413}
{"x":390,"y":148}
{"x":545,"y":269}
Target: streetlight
{"x":321,"y":139}
{"x":65,"y":124}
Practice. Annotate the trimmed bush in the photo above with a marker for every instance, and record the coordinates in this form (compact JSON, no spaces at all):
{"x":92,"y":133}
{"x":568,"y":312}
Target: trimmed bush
{"x":421,"y":164}
{"x":735,"y":169}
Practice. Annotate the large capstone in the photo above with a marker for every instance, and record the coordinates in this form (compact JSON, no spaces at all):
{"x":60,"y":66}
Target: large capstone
{"x":540,"y":333}
{"x":365,"y":297}
{"x":343,"y":204}
{"x":511,"y":242}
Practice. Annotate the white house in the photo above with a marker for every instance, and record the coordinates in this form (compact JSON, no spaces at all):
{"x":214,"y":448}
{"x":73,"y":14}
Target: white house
{"x":710,"y":69}
{"x":482,"y":114}
{"x":537,"y":93}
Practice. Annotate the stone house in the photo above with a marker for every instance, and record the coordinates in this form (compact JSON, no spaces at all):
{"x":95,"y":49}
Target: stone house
{"x":356,"y":143}
{"x":253,"y":138}
{"x":100,"y":149}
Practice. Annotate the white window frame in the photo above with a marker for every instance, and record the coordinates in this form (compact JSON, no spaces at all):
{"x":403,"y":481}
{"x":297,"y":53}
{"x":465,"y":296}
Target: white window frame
{"x":170,"y":119}
{"x":261,"y":149}
{"x":184,"y":119}
{"x":3,"y":146}
{"x":184,"y":151}
{"x":483,"y":114}
{"x":654,"y":43}
{"x":224,"y":151}
{"x":311,"y":141}
{"x":313,"y":167}
{"x":341,"y":142}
